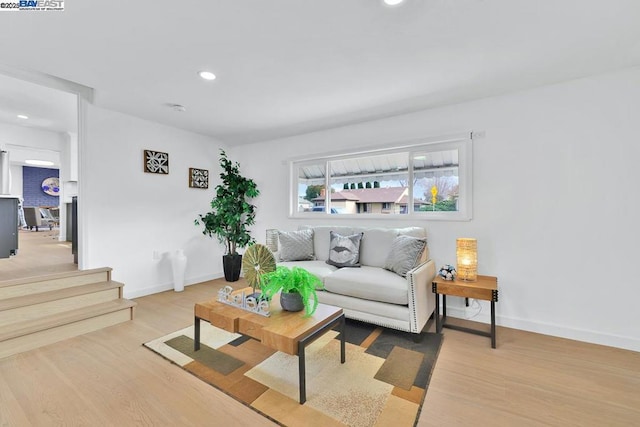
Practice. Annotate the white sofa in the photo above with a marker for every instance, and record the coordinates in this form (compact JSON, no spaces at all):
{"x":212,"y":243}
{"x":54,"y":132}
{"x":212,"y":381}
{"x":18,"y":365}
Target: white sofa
{"x":371,"y":293}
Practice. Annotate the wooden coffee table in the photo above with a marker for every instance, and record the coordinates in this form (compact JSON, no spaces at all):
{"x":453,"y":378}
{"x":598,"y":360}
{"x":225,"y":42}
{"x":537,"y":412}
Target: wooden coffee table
{"x":285,"y":331}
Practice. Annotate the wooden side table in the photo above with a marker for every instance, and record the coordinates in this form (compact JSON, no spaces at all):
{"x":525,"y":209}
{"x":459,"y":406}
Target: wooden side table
{"x":485,"y":288}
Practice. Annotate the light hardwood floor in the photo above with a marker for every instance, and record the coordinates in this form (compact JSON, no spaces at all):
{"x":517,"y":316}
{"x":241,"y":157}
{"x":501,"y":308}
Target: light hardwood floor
{"x":39,"y":252}
{"x":108,"y":378}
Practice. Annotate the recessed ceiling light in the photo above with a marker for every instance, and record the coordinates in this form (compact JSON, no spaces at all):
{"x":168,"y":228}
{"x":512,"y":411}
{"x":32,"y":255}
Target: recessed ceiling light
{"x":39,"y":162}
{"x":207,"y":75}
{"x":22,"y":116}
{"x":392,"y":2}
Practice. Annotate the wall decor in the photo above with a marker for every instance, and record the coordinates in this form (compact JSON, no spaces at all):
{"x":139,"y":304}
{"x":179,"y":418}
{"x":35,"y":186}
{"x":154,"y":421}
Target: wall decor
{"x":51,"y":186}
{"x":198,"y":178}
{"x":156,"y":162}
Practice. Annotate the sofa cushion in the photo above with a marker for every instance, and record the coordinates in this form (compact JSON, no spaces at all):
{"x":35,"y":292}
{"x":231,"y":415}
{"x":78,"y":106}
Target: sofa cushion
{"x":344,"y":251}
{"x":319,"y":268}
{"x":295,"y":245}
{"x":413,"y":232}
{"x":404,"y":254}
{"x":379,"y":310}
{"x":418,"y":232}
{"x":375,"y":245}
{"x":321,"y":238}
{"x":371,"y":283}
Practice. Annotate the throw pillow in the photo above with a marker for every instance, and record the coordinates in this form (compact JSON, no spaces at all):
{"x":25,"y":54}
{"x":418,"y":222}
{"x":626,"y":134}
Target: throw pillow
{"x":295,"y":245}
{"x":344,"y":251}
{"x":404,"y":254}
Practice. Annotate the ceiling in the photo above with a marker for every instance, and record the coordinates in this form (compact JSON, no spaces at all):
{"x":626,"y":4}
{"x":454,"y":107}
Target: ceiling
{"x":286,"y":67}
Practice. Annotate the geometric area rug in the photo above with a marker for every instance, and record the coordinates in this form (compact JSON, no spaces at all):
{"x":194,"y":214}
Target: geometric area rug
{"x":383,"y":382}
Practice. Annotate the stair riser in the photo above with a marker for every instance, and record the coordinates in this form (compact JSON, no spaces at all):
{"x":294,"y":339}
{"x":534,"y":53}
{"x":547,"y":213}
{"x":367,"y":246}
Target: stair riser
{"x":50,"y":285}
{"x":58,"y":306}
{"x":49,"y":336}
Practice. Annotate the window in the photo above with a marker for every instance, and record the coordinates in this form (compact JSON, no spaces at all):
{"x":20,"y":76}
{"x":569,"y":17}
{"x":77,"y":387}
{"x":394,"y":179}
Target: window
{"x":309,"y":194}
{"x":430,"y":179}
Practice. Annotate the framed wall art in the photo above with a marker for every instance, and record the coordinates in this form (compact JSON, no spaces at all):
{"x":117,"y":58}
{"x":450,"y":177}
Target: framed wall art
{"x":156,"y":162}
{"x":51,"y":186}
{"x":198,"y":178}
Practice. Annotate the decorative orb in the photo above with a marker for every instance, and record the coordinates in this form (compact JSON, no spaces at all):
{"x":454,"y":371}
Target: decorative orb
{"x":447,"y":272}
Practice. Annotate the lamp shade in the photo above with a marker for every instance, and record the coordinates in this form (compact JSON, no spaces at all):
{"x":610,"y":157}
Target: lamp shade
{"x":467,"y":255}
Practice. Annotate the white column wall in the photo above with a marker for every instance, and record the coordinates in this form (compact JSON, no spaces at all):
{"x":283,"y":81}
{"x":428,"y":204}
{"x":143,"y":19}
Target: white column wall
{"x":555,"y":211}
{"x":129,"y":214}
{"x":16,"y":180}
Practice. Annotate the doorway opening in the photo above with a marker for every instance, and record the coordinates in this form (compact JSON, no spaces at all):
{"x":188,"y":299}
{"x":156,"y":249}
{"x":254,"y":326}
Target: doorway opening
{"x":39,"y":131}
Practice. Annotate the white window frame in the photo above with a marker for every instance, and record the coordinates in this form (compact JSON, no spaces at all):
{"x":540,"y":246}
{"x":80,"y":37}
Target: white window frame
{"x":462,"y":142}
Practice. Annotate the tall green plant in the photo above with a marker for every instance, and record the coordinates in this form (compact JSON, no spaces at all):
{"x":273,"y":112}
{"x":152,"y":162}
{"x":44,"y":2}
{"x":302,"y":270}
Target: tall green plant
{"x":295,"y":279}
{"x":231,"y":213}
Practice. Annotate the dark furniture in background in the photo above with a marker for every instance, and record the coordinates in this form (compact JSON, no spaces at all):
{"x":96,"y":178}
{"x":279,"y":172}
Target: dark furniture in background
{"x":34,"y":217}
{"x":8,"y":226}
{"x":74,"y":228}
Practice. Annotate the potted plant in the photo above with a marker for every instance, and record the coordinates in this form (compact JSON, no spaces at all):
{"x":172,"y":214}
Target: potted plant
{"x":231,"y":214}
{"x":297,"y":288}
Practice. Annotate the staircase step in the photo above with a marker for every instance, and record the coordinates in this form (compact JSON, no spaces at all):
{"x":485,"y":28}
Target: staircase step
{"x":53,"y":320}
{"x":42,"y":310}
{"x":46,"y":296}
{"x":35,"y":285}
{"x":23,"y":336}
{"x":66,"y":328}
{"x":32,"y":306}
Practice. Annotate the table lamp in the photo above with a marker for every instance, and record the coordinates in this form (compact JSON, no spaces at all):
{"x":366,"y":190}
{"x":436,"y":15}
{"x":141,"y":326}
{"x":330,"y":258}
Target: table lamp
{"x":467,"y":255}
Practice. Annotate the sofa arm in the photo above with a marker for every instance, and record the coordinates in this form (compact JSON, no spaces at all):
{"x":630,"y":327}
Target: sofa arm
{"x":421,"y":300}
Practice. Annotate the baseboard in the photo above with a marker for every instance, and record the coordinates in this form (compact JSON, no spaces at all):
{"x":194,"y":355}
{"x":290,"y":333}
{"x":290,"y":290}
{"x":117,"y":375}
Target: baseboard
{"x":137,"y":293}
{"x":594,"y":337}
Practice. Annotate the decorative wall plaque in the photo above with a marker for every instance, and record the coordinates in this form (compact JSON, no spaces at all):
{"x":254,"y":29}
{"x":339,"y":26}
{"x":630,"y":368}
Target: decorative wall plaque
{"x":198,"y":178}
{"x":156,"y":162}
{"x":51,"y":186}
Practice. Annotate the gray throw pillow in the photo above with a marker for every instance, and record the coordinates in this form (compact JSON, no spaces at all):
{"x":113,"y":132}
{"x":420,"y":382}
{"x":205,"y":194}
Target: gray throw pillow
{"x":404,"y":254}
{"x":295,"y":245}
{"x":344,"y":251}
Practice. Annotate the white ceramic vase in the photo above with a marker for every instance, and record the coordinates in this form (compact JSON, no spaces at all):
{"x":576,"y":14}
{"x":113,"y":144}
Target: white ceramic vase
{"x":179,"y":265}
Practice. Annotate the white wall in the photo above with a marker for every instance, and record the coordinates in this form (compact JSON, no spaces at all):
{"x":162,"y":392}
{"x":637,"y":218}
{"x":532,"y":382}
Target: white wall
{"x":555,"y":201}
{"x":130,"y":214}
{"x":16,"y":180}
{"x":46,"y":144}
{"x":30,"y":137}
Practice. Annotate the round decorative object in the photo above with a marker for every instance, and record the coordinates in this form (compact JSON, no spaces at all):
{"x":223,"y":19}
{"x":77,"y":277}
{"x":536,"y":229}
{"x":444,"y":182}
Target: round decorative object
{"x":256,"y":261}
{"x":447,"y":272}
{"x":291,"y":301}
{"x":51,"y":186}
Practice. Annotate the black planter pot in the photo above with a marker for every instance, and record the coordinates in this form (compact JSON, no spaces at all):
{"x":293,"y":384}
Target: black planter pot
{"x":291,"y":301}
{"x":232,"y":264}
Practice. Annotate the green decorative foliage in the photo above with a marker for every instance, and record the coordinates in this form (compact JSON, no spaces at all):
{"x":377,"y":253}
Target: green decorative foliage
{"x":293,"y":280}
{"x":442,"y":205}
{"x":231,"y":214}
{"x":313,"y":191}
